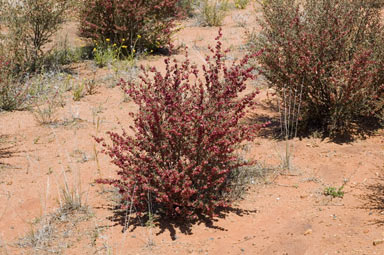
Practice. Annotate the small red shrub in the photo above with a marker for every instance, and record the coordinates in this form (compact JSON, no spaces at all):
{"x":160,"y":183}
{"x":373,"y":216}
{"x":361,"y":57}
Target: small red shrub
{"x":186,"y":130}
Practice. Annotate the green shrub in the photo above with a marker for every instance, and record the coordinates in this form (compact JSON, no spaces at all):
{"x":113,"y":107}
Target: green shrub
{"x":213,"y":12}
{"x":30,"y":24}
{"x":330,"y":55}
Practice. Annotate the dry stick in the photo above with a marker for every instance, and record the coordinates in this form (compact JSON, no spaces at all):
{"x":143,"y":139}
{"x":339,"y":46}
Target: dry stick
{"x":298,"y":108}
{"x":281,"y":115}
{"x":284,"y":113}
{"x":293,"y":115}
{"x":46,"y":195}
{"x":289,"y":112}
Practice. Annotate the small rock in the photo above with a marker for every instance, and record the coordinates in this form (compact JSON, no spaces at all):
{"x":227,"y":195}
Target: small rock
{"x":308,"y":232}
{"x":366,"y":231}
{"x":377,"y":242}
{"x":303,"y":196}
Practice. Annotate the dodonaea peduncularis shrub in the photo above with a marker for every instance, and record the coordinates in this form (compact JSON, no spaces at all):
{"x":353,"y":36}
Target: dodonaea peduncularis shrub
{"x":331,"y":52}
{"x":181,"y":156}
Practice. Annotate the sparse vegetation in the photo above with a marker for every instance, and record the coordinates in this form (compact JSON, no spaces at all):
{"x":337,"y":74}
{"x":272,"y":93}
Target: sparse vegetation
{"x":212,"y":12}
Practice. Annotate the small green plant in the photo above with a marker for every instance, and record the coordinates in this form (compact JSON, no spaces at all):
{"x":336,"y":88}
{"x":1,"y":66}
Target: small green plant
{"x":45,"y":111}
{"x":241,"y":4}
{"x":213,"y":12}
{"x":108,"y":53}
{"x":78,"y":91}
{"x":103,"y":54}
{"x":334,"y":192}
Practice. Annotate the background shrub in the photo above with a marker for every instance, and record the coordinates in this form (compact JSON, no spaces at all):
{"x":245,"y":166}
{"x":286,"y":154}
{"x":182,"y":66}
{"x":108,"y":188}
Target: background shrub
{"x":213,"y":12}
{"x":180,"y":159}
{"x":30,"y":24}
{"x":331,"y":53}
{"x":123,"y":21}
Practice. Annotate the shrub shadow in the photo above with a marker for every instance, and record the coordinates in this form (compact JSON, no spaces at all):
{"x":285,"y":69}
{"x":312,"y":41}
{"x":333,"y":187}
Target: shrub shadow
{"x":374,"y":200}
{"x":6,"y":151}
{"x":130,"y":222}
{"x":272,"y":130}
{"x":363,"y":128}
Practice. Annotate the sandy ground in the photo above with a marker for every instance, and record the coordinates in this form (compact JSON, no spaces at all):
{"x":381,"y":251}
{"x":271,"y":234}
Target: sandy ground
{"x":284,"y":213}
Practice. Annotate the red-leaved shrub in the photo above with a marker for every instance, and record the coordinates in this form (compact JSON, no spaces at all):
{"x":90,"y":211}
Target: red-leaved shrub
{"x":143,"y":24}
{"x":180,"y":159}
{"x":330,"y":53}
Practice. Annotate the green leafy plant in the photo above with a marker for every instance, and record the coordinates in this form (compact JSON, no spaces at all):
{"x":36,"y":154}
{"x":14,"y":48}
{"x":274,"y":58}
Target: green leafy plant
{"x":108,"y":53}
{"x":334,"y":192}
{"x":78,"y":91}
{"x":104,"y":53}
{"x":331,"y":52}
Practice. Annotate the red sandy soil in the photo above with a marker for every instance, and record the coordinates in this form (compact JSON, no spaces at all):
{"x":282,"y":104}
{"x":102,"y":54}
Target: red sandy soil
{"x":285,"y":213}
